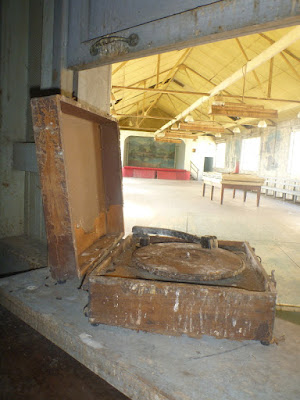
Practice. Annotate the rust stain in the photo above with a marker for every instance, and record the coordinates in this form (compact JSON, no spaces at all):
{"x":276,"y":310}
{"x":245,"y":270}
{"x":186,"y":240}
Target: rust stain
{"x":86,"y":239}
{"x":115,"y":221}
{"x":51,"y":169}
{"x":61,"y":257}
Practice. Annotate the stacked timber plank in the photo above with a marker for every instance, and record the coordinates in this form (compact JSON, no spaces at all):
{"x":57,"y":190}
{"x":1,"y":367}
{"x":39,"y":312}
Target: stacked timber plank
{"x":243,"y":111}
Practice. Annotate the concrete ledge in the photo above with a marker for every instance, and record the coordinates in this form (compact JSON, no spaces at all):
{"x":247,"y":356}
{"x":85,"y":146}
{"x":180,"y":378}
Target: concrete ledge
{"x":150,"y":366}
{"x":21,"y":253}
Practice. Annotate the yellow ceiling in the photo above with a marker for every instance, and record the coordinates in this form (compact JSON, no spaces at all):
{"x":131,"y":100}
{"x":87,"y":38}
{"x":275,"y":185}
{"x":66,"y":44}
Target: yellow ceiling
{"x":200,"y":69}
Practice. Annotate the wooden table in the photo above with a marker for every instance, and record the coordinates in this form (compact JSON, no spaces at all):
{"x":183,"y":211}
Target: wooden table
{"x":245,"y":187}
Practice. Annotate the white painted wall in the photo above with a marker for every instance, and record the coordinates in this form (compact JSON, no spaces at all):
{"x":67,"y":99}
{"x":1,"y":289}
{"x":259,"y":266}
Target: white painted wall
{"x":180,"y":155}
{"x":204,"y":146}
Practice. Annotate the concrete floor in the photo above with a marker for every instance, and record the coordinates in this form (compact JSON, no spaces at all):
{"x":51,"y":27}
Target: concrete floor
{"x":273,"y":229}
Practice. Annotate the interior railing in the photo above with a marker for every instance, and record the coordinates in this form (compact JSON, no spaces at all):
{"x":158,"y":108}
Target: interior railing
{"x":194,"y":171}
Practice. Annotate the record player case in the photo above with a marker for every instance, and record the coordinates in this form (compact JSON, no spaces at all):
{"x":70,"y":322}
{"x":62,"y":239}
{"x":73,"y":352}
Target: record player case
{"x":154,"y":280}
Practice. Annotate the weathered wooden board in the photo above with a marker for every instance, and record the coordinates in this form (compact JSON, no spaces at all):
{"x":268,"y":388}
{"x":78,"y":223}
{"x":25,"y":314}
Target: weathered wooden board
{"x":247,"y":178}
{"x":202,"y":126}
{"x":235,"y":111}
{"x":240,"y":307}
{"x":79,"y":163}
{"x":172,"y":308}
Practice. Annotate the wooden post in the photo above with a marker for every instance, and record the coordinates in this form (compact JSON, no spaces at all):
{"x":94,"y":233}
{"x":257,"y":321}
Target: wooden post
{"x":212,"y":192}
{"x":94,"y":86}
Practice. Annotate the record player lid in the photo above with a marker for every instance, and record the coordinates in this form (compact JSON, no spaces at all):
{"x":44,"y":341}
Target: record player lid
{"x":78,"y":156}
{"x":187,"y":262}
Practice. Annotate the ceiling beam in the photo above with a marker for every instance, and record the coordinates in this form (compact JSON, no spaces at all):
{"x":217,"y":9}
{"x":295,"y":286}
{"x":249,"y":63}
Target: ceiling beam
{"x":286,"y":51}
{"x":142,"y":116}
{"x":290,"y":65}
{"x":201,"y":126}
{"x":144,"y":98}
{"x":125,"y":116}
{"x":286,"y":40}
{"x":167,"y":140}
{"x":137,"y":128}
{"x":270,"y":77}
{"x":167,"y":91}
{"x":145,"y":79}
{"x":119,"y":67}
{"x":172,"y":102}
{"x":198,"y":112}
{"x":157,"y":70}
{"x":235,"y":110}
{"x":183,"y":135}
{"x":130,"y":103}
{"x":157,"y":90}
{"x":170,"y":75}
{"x":184,"y":66}
{"x":180,"y":131}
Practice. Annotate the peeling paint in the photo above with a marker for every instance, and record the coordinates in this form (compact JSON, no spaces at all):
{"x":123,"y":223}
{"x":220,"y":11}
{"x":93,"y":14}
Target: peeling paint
{"x":176,"y":300}
{"x":139,"y":319}
{"x":32,"y":287}
{"x":88,"y":340}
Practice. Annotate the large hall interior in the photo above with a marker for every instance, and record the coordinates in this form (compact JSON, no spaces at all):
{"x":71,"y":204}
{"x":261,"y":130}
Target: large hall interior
{"x":251,"y":126}
{"x":150,"y":199}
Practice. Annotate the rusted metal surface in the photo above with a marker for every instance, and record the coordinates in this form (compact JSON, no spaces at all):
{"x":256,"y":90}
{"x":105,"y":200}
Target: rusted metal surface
{"x":188,"y":262}
{"x":206,"y":241}
{"x":145,"y":230}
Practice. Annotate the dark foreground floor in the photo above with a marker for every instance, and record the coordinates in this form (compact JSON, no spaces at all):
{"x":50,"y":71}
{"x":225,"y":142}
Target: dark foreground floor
{"x":33,"y":368}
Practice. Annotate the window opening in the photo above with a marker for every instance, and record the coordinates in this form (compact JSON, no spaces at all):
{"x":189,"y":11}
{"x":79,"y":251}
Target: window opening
{"x":294,"y":159}
{"x":250,"y":156}
{"x":220,"y":155}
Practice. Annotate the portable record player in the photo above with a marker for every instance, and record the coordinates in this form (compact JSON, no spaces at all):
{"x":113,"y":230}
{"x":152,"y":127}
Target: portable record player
{"x":154,"y":280}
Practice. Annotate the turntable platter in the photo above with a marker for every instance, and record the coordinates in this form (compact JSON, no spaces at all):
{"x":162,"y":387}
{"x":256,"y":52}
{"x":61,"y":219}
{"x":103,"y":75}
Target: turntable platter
{"x":187,"y":262}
